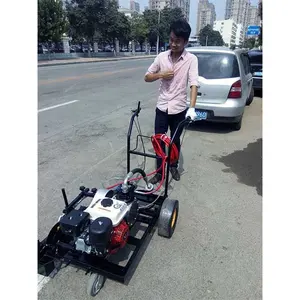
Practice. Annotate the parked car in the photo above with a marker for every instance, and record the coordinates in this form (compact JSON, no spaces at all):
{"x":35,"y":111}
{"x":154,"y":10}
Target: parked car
{"x":42,"y":49}
{"x":256,"y":63}
{"x":225,"y":84}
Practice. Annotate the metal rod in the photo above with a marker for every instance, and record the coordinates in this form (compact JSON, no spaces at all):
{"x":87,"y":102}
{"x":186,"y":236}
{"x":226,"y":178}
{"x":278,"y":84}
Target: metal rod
{"x":74,"y":202}
{"x":135,"y":114}
{"x":143,"y":154}
{"x":65,"y":197}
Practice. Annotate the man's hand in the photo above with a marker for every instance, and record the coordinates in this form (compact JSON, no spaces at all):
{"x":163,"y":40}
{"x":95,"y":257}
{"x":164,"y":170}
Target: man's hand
{"x":155,"y":76}
{"x":191,"y":113}
{"x":167,"y":75}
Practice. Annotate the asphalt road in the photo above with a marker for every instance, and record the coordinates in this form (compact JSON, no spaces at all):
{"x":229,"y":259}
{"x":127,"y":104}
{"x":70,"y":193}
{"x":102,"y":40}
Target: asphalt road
{"x":216,"y":251}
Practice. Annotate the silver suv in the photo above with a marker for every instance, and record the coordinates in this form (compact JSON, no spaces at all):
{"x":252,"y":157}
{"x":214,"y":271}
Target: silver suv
{"x":225,"y":84}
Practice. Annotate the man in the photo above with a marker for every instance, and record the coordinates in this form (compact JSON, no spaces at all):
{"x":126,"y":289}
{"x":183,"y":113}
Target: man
{"x":175,"y":68}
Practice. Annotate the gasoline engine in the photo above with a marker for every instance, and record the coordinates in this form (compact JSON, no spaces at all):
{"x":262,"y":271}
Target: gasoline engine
{"x":103,"y":227}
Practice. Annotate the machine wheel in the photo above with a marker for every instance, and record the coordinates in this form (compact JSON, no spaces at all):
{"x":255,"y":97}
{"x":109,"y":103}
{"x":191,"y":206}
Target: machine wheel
{"x":168,"y":218}
{"x":95,"y":284}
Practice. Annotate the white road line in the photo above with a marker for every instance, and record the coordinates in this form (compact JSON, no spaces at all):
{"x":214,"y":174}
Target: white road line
{"x":58,"y":105}
{"x":42,"y":281}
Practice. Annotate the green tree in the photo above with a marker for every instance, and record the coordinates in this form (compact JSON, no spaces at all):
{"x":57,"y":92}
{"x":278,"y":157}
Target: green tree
{"x":92,"y":18}
{"x":52,"y":22}
{"x":159,"y":23}
{"x":151,"y":18}
{"x":168,"y":16}
{"x":139,"y":29}
{"x":249,"y":43}
{"x":124,"y":29}
{"x":210,"y":37}
{"x":113,"y":24}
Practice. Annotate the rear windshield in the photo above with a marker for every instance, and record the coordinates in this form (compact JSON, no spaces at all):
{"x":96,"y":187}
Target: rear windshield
{"x":217,"y":65}
{"x":255,"y":57}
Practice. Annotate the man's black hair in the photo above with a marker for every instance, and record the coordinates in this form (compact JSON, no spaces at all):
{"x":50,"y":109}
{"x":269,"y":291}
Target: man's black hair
{"x":181,"y":28}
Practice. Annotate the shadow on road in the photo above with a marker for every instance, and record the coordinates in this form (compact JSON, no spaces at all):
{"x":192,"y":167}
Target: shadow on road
{"x":210,"y":127}
{"x":246,"y":164}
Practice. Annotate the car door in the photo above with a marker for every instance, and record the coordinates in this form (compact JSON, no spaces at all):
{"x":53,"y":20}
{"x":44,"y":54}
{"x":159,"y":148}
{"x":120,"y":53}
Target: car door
{"x":247,"y":73}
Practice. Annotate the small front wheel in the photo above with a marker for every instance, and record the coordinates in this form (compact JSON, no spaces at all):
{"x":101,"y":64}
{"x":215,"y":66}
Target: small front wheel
{"x":95,"y":284}
{"x":168,"y":218}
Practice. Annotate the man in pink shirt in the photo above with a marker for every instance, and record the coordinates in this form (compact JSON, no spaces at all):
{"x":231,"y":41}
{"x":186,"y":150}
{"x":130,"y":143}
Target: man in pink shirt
{"x":177,"y":69}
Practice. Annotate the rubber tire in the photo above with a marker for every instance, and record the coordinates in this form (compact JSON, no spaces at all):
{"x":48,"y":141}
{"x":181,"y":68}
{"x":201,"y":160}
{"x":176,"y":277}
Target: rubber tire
{"x":166,"y":223}
{"x":92,"y":289}
{"x":251,"y":97}
{"x":237,"y":126}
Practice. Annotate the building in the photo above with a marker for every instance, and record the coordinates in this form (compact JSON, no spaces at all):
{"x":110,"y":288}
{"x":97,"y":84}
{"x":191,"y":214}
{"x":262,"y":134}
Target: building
{"x":134,"y":6}
{"x":126,"y":11}
{"x":253,"y":18}
{"x":228,"y":31}
{"x":238,"y":10}
{"x":239,"y":39}
{"x":206,"y":15}
{"x":161,"y":4}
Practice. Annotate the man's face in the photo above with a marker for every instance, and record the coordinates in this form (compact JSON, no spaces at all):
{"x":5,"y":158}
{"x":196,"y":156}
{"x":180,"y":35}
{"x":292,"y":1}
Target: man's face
{"x":177,"y":44}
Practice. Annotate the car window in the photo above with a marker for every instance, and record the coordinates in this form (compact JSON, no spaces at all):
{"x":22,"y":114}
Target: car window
{"x":217,"y":65}
{"x":246,"y":63}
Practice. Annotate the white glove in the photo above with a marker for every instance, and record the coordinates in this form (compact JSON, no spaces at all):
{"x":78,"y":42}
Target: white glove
{"x":191,"y":113}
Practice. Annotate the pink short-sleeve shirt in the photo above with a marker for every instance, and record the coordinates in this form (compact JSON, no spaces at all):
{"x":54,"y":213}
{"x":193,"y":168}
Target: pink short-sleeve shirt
{"x":173,"y":93}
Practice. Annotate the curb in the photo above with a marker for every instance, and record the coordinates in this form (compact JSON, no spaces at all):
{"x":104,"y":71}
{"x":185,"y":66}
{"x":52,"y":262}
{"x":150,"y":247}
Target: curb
{"x":92,"y":61}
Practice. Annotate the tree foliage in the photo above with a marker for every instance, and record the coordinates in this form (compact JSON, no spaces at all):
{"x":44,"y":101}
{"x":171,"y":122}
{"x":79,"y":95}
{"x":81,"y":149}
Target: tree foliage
{"x":139,"y":28}
{"x":52,"y":22}
{"x":151,"y":18}
{"x":97,"y":20}
{"x":249,"y":43}
{"x":100,"y":21}
{"x":168,"y":16}
{"x":159,"y":23}
{"x":212,"y":37}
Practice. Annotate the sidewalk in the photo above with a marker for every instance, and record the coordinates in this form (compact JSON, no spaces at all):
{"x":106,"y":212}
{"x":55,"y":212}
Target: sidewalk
{"x":49,"y":63}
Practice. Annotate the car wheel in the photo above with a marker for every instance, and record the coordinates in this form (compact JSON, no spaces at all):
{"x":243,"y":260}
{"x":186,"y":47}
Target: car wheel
{"x":237,"y":126}
{"x":251,"y":96}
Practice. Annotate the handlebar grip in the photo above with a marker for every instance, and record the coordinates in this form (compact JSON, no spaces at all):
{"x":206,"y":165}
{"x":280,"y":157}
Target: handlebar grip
{"x":137,"y":111}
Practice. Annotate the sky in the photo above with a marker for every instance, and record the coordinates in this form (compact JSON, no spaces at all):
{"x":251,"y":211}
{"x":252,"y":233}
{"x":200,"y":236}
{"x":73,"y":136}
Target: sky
{"x":219,"y":5}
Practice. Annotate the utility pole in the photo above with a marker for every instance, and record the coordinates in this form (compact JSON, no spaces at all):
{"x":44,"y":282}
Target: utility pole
{"x":157,"y":41}
{"x":206,"y":41}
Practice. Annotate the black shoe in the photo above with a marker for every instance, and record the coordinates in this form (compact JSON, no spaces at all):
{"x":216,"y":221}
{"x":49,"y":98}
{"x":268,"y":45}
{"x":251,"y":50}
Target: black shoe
{"x":175,"y":173}
{"x":156,"y":178}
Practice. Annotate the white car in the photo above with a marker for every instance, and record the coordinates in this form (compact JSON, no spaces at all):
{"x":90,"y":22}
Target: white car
{"x":225,"y":84}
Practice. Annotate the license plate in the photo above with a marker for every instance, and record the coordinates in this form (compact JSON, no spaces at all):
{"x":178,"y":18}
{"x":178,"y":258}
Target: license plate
{"x":201,"y":115}
{"x":257,"y":74}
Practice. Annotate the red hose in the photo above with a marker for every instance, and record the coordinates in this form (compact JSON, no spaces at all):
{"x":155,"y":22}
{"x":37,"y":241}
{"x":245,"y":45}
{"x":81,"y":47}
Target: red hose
{"x":174,"y":156}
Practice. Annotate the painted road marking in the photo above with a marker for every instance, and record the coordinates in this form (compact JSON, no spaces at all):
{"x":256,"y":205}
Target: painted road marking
{"x":58,"y":105}
{"x":42,"y":281}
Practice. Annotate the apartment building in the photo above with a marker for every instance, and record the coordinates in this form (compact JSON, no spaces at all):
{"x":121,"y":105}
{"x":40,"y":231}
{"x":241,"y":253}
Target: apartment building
{"x":238,"y":10}
{"x":253,"y":18}
{"x":161,"y":4}
{"x":134,"y":6}
{"x":228,"y":30}
{"x":206,"y":15}
{"x":239,"y":39}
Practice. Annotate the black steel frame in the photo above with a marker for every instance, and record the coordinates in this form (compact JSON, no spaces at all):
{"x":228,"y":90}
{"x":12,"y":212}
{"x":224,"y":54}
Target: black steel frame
{"x":53,"y":252}
{"x":129,"y":151}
